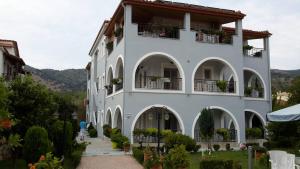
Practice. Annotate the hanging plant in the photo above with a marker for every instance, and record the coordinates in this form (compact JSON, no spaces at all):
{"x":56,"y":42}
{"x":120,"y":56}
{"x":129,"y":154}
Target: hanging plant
{"x":118,"y":32}
{"x":116,"y":81}
{"x":109,"y":45}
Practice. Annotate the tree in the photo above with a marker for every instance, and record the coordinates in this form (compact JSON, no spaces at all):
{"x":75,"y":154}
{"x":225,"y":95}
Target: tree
{"x":206,"y":124}
{"x":3,"y":100}
{"x":31,"y":104}
{"x":294,"y":90}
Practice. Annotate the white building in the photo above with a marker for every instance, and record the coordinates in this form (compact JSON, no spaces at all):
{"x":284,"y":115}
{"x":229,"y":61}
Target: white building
{"x":10,"y":62}
{"x":176,"y":59}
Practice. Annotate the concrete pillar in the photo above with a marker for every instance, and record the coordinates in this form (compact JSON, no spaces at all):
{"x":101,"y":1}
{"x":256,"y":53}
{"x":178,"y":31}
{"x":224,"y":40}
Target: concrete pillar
{"x":187,"y":21}
{"x":239,"y":28}
{"x":128,"y":16}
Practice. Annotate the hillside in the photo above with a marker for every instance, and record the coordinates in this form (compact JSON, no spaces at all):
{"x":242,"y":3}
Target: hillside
{"x":281,"y":79}
{"x":64,"y":80}
{"x":75,"y":79}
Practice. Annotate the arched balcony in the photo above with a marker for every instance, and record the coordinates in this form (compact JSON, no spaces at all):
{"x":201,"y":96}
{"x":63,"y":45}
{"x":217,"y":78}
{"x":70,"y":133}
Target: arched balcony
{"x":215,"y":76}
{"x":254,"y":86}
{"x":158,"y":72}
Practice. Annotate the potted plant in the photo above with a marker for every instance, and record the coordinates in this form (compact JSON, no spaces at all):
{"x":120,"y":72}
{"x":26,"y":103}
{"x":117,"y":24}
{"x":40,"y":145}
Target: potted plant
{"x":118,"y":32}
{"x":246,"y":48}
{"x":126,"y":146}
{"x":116,"y":81}
{"x":224,"y":133}
{"x":110,"y":45}
{"x":248,"y":91}
{"x":154,"y":162}
{"x":222,"y":85}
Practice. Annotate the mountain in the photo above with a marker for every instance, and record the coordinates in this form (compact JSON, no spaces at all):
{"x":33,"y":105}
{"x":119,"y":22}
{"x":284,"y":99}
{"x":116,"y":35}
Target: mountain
{"x":60,"y":80}
{"x":75,"y":79}
{"x":282,"y":79}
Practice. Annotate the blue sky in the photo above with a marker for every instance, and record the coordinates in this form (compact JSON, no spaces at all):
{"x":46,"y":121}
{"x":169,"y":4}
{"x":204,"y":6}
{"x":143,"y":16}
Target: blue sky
{"x":59,"y":33}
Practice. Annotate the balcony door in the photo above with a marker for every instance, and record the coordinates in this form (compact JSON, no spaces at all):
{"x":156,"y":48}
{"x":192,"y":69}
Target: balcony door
{"x":170,"y":75}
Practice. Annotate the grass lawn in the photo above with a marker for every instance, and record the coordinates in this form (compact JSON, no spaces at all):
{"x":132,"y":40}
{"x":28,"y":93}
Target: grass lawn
{"x":241,"y":156}
{"x":8,"y":164}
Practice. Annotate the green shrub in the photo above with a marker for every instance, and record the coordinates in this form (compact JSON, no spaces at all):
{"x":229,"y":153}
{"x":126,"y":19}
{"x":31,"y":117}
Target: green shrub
{"x":196,"y":148}
{"x":115,"y":131}
{"x":91,"y":126}
{"x":224,"y":133}
{"x":152,"y":131}
{"x":119,"y":139}
{"x":56,"y":134}
{"x":138,"y":154}
{"x":76,"y":157}
{"x":179,"y":139}
{"x":216,"y":164}
{"x":253,"y":133}
{"x":216,"y":147}
{"x":164,"y":133}
{"x":222,"y":85}
{"x":36,"y":143}
{"x":227,"y":146}
{"x":264,"y":160}
{"x":138,"y":132}
{"x":107,"y":130}
{"x":177,"y":158}
{"x":260,"y":149}
{"x":93,"y":133}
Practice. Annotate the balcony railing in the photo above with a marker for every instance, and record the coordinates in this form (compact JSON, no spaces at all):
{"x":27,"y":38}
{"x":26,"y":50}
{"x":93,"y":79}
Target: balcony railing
{"x":254,"y":52}
{"x":158,"y":31}
{"x":109,"y":89}
{"x":219,"y":38}
{"x":253,"y":92}
{"x":213,"y":86}
{"x":216,"y":137}
{"x":154,"y":82}
{"x":119,"y":86}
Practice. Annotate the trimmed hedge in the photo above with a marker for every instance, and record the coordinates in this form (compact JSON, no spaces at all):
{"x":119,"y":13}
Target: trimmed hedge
{"x":216,"y":147}
{"x":93,"y":133}
{"x":56,"y":133}
{"x":219,"y":164}
{"x":254,"y":133}
{"x":36,"y":143}
{"x":107,"y":130}
{"x":138,"y":154}
{"x":119,"y":139}
{"x":179,"y":139}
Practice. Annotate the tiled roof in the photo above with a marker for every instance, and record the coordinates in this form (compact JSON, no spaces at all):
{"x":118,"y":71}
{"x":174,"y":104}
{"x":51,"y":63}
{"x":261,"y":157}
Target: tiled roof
{"x":187,"y":7}
{"x":250,"y":34}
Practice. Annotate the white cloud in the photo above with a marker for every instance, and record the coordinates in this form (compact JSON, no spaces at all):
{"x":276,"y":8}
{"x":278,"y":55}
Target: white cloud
{"x":58,"y":34}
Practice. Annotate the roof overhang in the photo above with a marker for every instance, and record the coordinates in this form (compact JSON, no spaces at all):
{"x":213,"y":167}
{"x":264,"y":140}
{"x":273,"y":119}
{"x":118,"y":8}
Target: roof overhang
{"x":223,"y":15}
{"x":249,"y":34}
{"x":100,"y":33}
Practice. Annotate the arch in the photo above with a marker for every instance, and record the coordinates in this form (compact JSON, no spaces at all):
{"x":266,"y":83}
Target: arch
{"x":223,"y":109}
{"x":118,"y":109}
{"x":260,"y":77}
{"x":229,"y":123}
{"x":110,"y":73}
{"x":219,"y":59}
{"x":108,"y":116}
{"x":120,"y":62}
{"x":178,"y":65}
{"x":156,"y":105}
{"x":258,"y":115}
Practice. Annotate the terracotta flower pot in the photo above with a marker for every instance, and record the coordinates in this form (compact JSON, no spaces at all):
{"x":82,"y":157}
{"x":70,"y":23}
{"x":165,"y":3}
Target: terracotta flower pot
{"x":147,"y":156}
{"x":126,"y":148}
{"x":5,"y":123}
